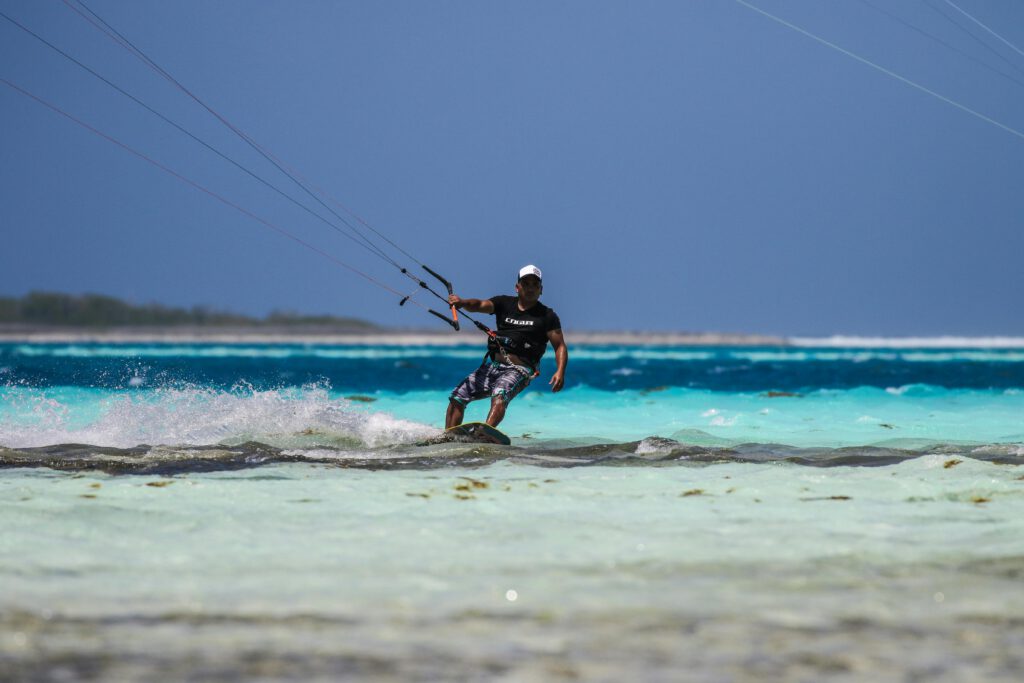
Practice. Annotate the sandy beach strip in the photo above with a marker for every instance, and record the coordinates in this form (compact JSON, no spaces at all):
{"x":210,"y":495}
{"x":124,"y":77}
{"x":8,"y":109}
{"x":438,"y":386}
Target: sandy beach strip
{"x":307,"y":335}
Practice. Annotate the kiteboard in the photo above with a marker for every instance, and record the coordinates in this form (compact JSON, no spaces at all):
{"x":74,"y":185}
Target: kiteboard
{"x":479,"y":431}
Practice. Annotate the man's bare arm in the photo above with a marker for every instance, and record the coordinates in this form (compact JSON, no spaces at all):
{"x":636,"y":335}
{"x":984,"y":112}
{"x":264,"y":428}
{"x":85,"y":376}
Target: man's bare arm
{"x":471,"y":305}
{"x":561,"y":356}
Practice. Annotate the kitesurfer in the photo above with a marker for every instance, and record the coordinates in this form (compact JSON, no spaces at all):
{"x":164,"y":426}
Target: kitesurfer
{"x":524,"y":328}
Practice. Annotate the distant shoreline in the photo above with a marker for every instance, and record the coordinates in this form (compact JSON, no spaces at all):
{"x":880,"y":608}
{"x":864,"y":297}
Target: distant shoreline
{"x":321,"y":335}
{"x":333,"y":336}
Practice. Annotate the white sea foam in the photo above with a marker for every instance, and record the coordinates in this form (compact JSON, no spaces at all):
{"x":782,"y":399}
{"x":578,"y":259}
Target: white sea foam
{"x":271,"y":351}
{"x":654,"y":446}
{"x":936,"y":351}
{"x":770,"y":356}
{"x":190,"y":416}
{"x":944,"y":342}
{"x":936,"y":355}
{"x":228,"y":351}
{"x":916,"y":390}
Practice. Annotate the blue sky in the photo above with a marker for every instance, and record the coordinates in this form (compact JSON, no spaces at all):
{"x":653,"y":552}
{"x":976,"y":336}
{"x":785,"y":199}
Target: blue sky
{"x":670,"y":165}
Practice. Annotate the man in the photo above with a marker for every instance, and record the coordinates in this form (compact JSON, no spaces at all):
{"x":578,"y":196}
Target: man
{"x":525,"y":326}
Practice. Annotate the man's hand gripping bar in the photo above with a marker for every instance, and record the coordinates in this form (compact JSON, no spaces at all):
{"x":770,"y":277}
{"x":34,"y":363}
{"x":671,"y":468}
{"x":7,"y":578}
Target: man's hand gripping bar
{"x":454,"y":322}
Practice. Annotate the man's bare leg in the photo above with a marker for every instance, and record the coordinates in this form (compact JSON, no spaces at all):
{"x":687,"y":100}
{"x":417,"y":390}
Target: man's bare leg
{"x":455,"y":413}
{"x":497,"y":413}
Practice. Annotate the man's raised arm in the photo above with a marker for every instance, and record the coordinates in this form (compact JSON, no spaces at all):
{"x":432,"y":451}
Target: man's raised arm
{"x":471,"y":305}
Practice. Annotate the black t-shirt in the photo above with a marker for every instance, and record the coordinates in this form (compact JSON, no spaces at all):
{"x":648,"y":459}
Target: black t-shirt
{"x":524,"y":333}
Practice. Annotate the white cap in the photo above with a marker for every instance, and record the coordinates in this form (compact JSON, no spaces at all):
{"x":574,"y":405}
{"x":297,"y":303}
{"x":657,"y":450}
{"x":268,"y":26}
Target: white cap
{"x":530,"y":270}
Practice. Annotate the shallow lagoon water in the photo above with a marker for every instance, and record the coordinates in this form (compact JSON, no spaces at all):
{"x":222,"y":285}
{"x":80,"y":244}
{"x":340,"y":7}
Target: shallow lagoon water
{"x":224,"y":527}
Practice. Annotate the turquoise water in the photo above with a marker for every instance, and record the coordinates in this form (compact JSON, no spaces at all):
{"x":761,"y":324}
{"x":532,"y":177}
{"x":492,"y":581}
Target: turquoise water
{"x":230,"y":512}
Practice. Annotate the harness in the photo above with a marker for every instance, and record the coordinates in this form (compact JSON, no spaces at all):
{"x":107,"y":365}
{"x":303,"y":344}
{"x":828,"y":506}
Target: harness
{"x":498,"y":346}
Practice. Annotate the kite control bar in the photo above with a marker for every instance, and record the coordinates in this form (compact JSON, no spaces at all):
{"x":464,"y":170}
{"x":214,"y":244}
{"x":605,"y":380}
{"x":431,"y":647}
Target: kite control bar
{"x":455,"y":316}
{"x":454,"y":320}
